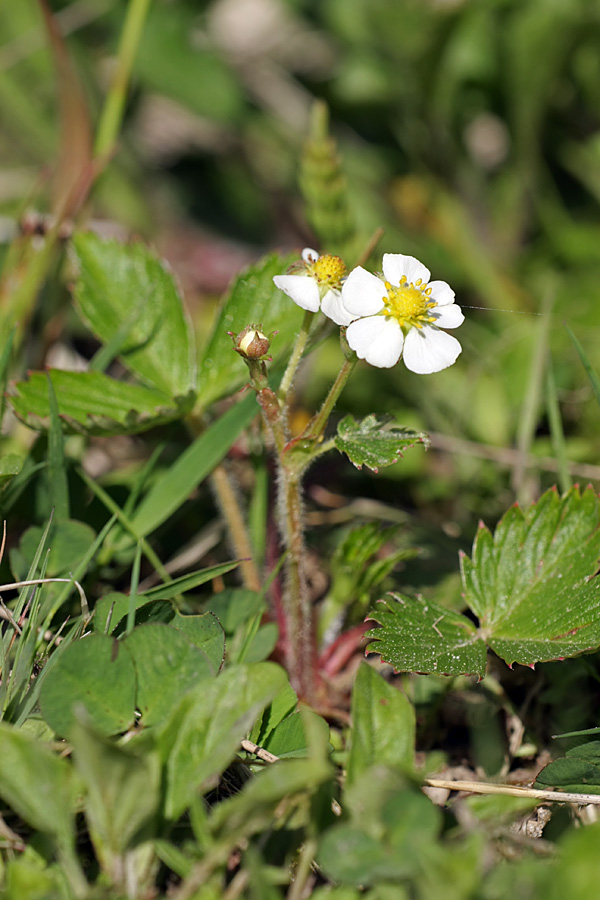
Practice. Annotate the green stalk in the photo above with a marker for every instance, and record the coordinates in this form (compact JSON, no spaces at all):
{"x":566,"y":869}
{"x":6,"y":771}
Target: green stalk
{"x":316,"y":426}
{"x":288,"y":375}
{"x":112,"y":113}
{"x":557,"y":434}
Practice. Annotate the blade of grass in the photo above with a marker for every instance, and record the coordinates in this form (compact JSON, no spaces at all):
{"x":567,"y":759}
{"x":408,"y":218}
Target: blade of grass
{"x":532,"y":400}
{"x":258,"y":512}
{"x":57,"y":474}
{"x":112,"y":114}
{"x":188,"y":582}
{"x":5,"y":358}
{"x":135,"y":580}
{"x":126,"y":522}
{"x":594,"y":380}
{"x":557,"y":434}
{"x":192,"y":467}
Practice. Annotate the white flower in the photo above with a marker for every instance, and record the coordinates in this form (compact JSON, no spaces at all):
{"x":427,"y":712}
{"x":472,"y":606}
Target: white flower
{"x":317,"y":285}
{"x":401,"y":314}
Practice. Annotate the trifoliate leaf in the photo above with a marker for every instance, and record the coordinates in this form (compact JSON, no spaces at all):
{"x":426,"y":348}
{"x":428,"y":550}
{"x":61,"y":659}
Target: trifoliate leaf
{"x":375,"y":441}
{"x":532,"y":585}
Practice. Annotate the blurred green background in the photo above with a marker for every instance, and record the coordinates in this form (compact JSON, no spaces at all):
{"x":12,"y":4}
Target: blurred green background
{"x":469,"y":131}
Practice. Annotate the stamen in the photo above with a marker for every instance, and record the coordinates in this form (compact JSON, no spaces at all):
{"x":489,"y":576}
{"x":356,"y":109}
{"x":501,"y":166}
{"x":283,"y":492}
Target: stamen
{"x":409,"y":304}
{"x":328,"y":270}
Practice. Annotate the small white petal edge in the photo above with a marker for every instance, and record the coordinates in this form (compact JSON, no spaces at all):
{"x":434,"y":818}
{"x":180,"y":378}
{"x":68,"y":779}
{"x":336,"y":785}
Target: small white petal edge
{"x":302,"y":289}
{"x":428,"y":350}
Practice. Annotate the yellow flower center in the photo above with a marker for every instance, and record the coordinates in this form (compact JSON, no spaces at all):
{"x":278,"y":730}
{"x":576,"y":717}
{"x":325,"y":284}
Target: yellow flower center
{"x":328,"y":270}
{"x":409,"y":303}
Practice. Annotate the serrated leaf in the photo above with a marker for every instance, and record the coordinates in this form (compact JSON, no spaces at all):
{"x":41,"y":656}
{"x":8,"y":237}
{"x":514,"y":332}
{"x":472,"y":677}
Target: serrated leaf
{"x":420,"y":636}
{"x":253,"y":298}
{"x":92,"y":403}
{"x":130,"y":300}
{"x":375,"y":441}
{"x":533,"y":586}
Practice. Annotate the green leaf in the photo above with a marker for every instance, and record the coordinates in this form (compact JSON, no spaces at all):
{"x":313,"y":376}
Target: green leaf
{"x":125,"y":294}
{"x":188,"y":582}
{"x":122,"y":793}
{"x":58,"y":487}
{"x":93,"y":403}
{"x":390,"y":834}
{"x":383,"y":721}
{"x":167,"y":665}
{"x":532,"y":585}
{"x":253,"y":299}
{"x":68,"y":542}
{"x":235,"y":606}
{"x":96,"y":673}
{"x":420,"y":636}
{"x":112,"y":609}
{"x":581,"y":776}
{"x":204,"y":732}
{"x":206,"y":632}
{"x":289,"y":739}
{"x":579,"y":772}
{"x":282,"y":706}
{"x":36,"y":783}
{"x":192,"y":467}
{"x":10,"y":465}
{"x":375,"y":441}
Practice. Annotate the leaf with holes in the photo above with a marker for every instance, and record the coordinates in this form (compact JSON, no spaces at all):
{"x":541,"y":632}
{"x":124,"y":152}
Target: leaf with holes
{"x":375,"y":441}
{"x":532,"y":586}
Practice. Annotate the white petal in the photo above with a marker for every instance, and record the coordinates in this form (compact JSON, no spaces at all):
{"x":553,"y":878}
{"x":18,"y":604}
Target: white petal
{"x":448,"y":316}
{"x":309,"y":255}
{"x":301,"y":288}
{"x":332,"y":306}
{"x":363,"y":293}
{"x":377,"y":339}
{"x":428,"y":350}
{"x":395,"y":265}
{"x":442,"y":293}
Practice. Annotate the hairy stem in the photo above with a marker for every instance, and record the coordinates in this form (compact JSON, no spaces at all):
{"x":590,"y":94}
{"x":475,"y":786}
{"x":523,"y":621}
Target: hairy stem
{"x":300,"y":647}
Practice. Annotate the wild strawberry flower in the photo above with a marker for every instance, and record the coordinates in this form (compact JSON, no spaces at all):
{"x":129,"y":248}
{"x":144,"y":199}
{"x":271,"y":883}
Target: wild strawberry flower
{"x":401,"y":314}
{"x":316,"y":284}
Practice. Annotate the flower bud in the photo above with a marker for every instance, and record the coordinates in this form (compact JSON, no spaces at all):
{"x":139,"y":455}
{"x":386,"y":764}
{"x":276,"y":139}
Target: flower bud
{"x":251,"y":343}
